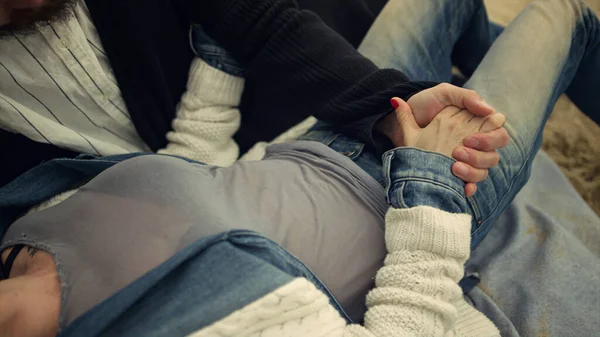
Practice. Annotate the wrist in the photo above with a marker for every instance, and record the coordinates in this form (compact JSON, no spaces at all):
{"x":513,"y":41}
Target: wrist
{"x":390,"y":128}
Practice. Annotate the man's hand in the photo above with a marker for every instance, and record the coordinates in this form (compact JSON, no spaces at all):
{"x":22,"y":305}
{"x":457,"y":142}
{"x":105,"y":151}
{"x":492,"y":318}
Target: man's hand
{"x":450,"y":129}
{"x":477,"y":154}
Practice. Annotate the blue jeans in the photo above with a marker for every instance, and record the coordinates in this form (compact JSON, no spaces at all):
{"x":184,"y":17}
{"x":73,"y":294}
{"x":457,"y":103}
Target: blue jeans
{"x":200,"y":285}
{"x":540,"y":264}
{"x":212,"y":53}
{"x":512,"y":77}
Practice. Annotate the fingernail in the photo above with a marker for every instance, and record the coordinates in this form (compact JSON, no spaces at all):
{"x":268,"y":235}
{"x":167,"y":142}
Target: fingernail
{"x":472,"y":143}
{"x":394,"y":103}
{"x":461,"y":169}
{"x":462,"y":155}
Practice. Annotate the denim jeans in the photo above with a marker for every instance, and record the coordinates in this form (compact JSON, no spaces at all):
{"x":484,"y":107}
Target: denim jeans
{"x":212,"y":53}
{"x":540,"y":264}
{"x":200,"y":285}
{"x":551,"y":48}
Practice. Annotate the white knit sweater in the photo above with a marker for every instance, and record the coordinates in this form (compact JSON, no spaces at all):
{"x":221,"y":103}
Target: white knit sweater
{"x":208,"y":117}
{"x":416,"y":294}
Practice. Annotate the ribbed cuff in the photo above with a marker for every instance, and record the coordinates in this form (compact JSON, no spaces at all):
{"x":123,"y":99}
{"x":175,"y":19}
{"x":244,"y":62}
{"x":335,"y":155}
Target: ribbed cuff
{"x":471,"y":322}
{"x":214,"y":85}
{"x":428,"y":229}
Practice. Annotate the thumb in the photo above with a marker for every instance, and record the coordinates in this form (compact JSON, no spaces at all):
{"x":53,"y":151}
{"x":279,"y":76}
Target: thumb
{"x":463,"y":98}
{"x":477,"y":106}
{"x":404,"y":116}
{"x":408,"y":127}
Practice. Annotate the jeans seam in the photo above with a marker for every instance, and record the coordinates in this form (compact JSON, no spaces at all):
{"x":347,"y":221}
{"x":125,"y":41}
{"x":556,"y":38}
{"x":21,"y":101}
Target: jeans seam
{"x":387,"y":175}
{"x":476,"y":212}
{"x":400,"y":193}
{"x":431,"y":181}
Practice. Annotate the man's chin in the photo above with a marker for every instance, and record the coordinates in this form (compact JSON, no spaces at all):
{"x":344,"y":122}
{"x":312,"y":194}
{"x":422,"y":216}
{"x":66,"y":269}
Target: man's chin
{"x":9,"y":30}
{"x":24,"y":22}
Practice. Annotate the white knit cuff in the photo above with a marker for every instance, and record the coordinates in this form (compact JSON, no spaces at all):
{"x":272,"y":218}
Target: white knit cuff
{"x":472,"y":322}
{"x":217,"y":86}
{"x":428,"y":229}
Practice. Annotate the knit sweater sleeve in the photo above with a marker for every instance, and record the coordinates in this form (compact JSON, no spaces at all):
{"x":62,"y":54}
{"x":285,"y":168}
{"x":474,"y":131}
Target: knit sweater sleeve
{"x":299,"y":66}
{"x":207,"y":117}
{"x":417,"y":292}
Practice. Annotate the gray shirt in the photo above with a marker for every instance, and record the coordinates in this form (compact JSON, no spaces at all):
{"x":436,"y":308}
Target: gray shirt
{"x":311,"y":200}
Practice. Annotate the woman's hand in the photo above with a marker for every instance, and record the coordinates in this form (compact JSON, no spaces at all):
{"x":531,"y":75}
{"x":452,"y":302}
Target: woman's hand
{"x":447,"y":133}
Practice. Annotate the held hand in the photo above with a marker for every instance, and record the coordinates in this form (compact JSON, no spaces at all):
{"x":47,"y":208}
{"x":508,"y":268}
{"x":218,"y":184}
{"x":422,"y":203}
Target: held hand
{"x":446,"y":133}
{"x":428,"y":103}
{"x":477,"y":155}
{"x":476,"y":158}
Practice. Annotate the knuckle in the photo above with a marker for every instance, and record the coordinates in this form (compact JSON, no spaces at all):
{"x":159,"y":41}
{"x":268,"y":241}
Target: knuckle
{"x":478,"y":175}
{"x":504,"y":137}
{"x":471,"y":92}
{"x":444,"y":86}
{"x":484,"y":142}
{"x":478,"y":158}
{"x":485,"y":175}
{"x":474,"y":175}
{"x":495,"y":159}
{"x":454,"y":123}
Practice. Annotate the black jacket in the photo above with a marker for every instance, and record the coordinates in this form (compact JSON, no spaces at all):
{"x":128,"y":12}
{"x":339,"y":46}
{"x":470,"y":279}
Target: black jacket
{"x":296,"y":66}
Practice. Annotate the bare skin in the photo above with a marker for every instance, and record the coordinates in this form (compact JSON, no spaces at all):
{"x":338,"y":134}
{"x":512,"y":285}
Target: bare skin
{"x":30,"y":297}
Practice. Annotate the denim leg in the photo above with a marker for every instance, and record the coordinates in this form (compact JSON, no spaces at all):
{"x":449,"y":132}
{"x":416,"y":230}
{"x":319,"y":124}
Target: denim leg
{"x":418,"y":37}
{"x":201,"y":284}
{"x":531,"y":64}
{"x":540,"y":265}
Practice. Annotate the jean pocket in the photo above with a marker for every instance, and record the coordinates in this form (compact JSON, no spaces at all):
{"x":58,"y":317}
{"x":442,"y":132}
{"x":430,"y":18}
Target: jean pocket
{"x":350,"y":149}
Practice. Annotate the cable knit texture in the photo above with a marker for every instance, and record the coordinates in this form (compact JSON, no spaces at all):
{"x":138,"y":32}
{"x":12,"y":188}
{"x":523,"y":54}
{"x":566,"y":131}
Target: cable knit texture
{"x":208,"y":117}
{"x":416,"y":291}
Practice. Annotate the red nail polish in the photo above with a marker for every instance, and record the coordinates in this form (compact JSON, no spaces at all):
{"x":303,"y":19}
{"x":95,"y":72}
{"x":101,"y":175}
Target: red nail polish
{"x":394,"y":103}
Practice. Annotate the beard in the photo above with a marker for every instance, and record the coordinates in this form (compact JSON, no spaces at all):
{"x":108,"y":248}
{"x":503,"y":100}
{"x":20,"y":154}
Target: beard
{"x":25,"y":22}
